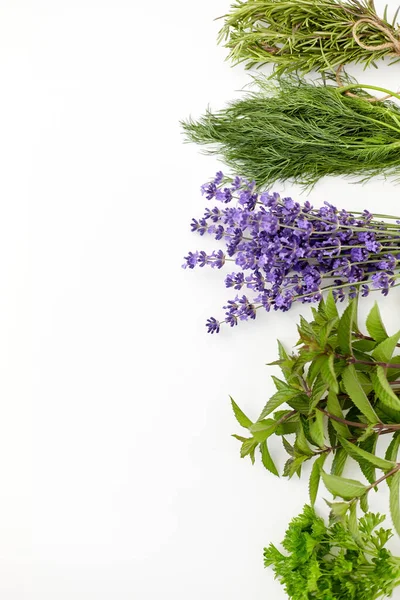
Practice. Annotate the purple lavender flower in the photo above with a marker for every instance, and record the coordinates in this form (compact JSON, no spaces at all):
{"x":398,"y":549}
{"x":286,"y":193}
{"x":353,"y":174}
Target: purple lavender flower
{"x":286,"y":252}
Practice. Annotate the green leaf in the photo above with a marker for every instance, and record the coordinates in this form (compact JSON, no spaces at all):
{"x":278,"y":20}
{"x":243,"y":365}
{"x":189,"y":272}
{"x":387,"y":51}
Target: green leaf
{"x":364,"y":503}
{"x":293,"y":466}
{"x":315,"y":477}
{"x":301,"y":445}
{"x":344,"y":488}
{"x":384,"y":351}
{"x":383,"y":389}
{"x":267,"y":460}
{"x":393,"y":448}
{"x":334,"y":408}
{"x":248,"y":448}
{"x":394,"y":501}
{"x":279,"y":384}
{"x":262,"y":430}
{"x":339,"y":462}
{"x":356,"y":452}
{"x":279,"y":398}
{"x":300,"y":403}
{"x":288,"y":447}
{"x":315,"y":368}
{"x":326,"y":331}
{"x":317,"y":429}
{"x":328,"y":373}
{"x":318,"y":391}
{"x":375,"y":326}
{"x":345,"y":329}
{"x":364,"y":345}
{"x":240,"y":416}
{"x":338,"y":511}
{"x":369,"y":445}
{"x":353,"y":522}
{"x":239,"y":437}
{"x":331,"y":310}
{"x":355,"y":391}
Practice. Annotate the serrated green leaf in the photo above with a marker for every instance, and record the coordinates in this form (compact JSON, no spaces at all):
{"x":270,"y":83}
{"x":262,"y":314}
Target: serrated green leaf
{"x":356,"y":452}
{"x":383,"y":389}
{"x":354,"y":389}
{"x":300,"y":403}
{"x":248,"y":448}
{"x":339,"y":462}
{"x":294,"y":465}
{"x":334,"y":408}
{"x":384,"y":351}
{"x":326,"y":331}
{"x":395,"y":501}
{"x":393,"y":448}
{"x":306,"y":331}
{"x":345,"y":329}
{"x":288,"y":447}
{"x":321,"y":307}
{"x":317,"y":429}
{"x":375,"y":326}
{"x":364,"y":503}
{"x":328,"y":373}
{"x":369,"y":445}
{"x":262,"y":430}
{"x":344,"y":488}
{"x":353,"y":521}
{"x":279,"y":398}
{"x":315,"y":368}
{"x":315,"y":477}
{"x":331,"y":310}
{"x":279,"y":384}
{"x":240,"y":416}
{"x":318,"y":391}
{"x":301,"y":445}
{"x":267,"y":460}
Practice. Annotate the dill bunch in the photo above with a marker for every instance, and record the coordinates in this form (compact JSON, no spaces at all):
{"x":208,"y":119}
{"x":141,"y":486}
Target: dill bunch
{"x":300,"y":131}
{"x":343,"y":561}
{"x":306,"y":35}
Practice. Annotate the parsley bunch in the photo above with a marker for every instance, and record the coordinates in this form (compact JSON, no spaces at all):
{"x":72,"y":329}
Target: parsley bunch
{"x":335,"y":562}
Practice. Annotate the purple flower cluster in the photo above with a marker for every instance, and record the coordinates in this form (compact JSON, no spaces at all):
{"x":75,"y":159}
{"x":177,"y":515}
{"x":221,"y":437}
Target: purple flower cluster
{"x":287,"y":252}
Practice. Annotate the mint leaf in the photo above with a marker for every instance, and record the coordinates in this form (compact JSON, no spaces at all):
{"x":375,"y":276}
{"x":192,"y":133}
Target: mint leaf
{"x":240,"y":416}
{"x":375,"y":326}
{"x":344,"y":488}
{"x":358,"y":396}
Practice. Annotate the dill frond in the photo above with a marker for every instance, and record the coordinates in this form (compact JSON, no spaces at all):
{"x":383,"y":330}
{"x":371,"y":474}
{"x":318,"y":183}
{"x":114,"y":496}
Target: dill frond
{"x":301,"y":131}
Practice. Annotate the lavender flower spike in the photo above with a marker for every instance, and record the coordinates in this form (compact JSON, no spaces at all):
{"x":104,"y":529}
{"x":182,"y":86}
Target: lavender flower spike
{"x":286,"y":252}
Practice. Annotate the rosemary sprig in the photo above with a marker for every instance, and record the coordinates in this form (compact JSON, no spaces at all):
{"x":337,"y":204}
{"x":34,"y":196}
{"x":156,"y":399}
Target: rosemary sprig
{"x":306,"y":35}
{"x":301,"y":131}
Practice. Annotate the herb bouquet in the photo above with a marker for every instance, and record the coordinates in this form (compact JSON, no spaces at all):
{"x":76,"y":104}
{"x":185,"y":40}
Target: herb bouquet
{"x":306,"y":35}
{"x":285,"y":252}
{"x":301,"y":131}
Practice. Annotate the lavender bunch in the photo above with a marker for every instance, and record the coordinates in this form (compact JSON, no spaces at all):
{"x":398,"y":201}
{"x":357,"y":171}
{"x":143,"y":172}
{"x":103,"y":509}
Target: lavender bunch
{"x":286,"y":252}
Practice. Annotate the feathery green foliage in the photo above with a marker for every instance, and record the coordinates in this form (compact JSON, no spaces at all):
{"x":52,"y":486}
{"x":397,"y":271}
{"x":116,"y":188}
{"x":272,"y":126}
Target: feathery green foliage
{"x":301,"y":131}
{"x":344,"y":561}
{"x":303,"y":35}
{"x":340,"y":392}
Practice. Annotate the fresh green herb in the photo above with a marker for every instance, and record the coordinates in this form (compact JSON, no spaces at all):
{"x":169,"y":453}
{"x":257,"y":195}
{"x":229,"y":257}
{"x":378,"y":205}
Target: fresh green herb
{"x":345,"y":561}
{"x":301,"y":131}
{"x":340,"y":392}
{"x":303,"y":35}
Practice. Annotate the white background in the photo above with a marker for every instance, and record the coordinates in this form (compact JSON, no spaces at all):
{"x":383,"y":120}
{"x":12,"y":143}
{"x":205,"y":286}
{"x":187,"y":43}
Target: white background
{"x":118,"y":476}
